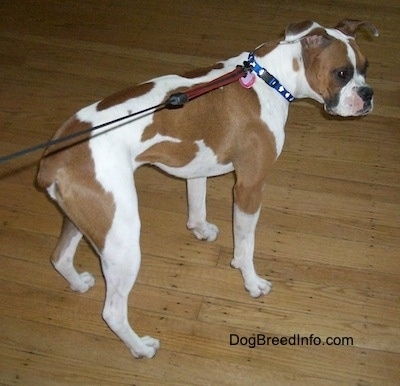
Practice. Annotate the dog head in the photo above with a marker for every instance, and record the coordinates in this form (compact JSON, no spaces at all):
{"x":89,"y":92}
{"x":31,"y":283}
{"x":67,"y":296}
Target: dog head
{"x":334,"y":66}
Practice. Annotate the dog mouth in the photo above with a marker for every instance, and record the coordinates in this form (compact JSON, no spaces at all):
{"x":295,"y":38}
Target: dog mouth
{"x":366,"y":110}
{"x":358,"y":103}
{"x":334,"y":111}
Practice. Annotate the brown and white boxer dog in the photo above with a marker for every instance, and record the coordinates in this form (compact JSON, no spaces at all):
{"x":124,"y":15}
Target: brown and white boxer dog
{"x":232,"y":128}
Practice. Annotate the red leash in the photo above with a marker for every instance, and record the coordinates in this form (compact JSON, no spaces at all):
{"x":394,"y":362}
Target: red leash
{"x":180,"y":99}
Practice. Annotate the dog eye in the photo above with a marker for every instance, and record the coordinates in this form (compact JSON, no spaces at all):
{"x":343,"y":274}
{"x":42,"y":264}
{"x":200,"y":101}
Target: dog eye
{"x":343,"y":75}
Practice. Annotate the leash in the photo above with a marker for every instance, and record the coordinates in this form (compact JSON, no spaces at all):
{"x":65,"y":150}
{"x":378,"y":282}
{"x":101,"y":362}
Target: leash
{"x":175,"y":100}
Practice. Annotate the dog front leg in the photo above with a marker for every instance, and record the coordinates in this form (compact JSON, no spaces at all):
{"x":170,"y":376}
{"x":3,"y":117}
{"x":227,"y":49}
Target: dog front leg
{"x":197,"y":223}
{"x":244,"y":227}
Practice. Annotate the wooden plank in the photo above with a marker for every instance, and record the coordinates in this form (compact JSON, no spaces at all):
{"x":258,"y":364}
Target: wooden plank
{"x":272,"y":363}
{"x":284,"y":271}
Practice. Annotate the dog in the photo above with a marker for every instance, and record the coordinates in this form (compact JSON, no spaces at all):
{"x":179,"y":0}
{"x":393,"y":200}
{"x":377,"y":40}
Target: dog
{"x":232,"y":128}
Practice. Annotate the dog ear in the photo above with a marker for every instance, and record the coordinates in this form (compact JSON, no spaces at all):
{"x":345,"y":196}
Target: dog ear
{"x":316,"y":40}
{"x":349,"y":27}
{"x":309,"y":32}
{"x":297,"y":29}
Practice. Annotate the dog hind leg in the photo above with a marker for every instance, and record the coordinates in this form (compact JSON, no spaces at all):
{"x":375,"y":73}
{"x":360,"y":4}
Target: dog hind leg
{"x":120,"y":261}
{"x":63,"y":258}
{"x":197,"y":223}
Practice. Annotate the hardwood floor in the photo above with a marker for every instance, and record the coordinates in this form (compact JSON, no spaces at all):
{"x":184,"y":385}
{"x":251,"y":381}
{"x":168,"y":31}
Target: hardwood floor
{"x":328,"y":236}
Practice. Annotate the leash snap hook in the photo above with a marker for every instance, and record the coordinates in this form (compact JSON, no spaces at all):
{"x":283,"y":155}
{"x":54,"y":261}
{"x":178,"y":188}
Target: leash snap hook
{"x":247,"y":67}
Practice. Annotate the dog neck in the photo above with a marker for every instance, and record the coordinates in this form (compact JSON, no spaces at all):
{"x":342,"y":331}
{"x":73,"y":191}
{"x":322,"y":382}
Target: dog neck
{"x":290,"y":71}
{"x":268,"y":78}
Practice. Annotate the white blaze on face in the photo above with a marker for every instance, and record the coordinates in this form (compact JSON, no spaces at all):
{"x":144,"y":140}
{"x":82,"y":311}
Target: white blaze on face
{"x":350,"y":102}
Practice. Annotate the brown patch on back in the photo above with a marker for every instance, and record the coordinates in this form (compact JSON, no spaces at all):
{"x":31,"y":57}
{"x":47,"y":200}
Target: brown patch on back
{"x":228,"y":121}
{"x":199,"y":72}
{"x":79,"y":194}
{"x":124,"y":95}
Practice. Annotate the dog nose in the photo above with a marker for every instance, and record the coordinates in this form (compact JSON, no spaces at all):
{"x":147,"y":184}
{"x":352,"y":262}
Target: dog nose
{"x":365,"y":93}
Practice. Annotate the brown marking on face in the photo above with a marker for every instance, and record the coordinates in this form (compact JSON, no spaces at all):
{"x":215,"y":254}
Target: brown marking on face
{"x":124,"y":95}
{"x":228,"y":121}
{"x":320,"y":63}
{"x":361,"y":60}
{"x":199,"y":72}
{"x":79,"y":194}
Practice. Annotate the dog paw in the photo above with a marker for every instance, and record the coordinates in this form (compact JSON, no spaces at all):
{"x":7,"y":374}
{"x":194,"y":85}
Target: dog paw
{"x":147,"y":349}
{"x":205,"y":231}
{"x":84,"y":283}
{"x":258,"y":287}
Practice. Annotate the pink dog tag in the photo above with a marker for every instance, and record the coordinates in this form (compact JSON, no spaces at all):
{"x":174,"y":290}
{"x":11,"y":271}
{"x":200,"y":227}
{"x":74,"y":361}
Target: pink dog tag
{"x":248,"y":80}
